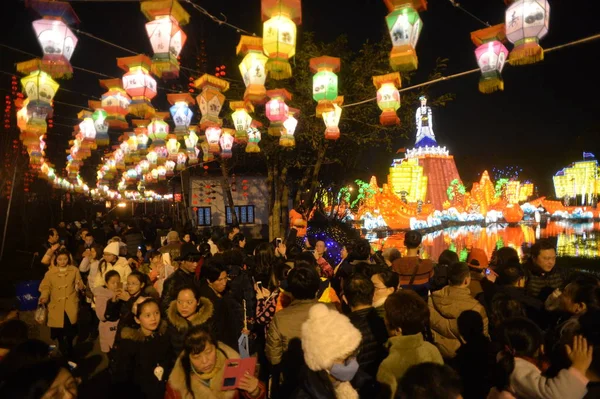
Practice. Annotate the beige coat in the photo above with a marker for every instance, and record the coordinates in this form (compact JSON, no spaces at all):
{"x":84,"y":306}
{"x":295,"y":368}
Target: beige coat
{"x":61,"y":290}
{"x":445,"y":306}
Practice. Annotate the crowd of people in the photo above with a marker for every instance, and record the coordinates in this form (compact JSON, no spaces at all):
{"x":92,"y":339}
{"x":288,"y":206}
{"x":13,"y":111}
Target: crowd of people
{"x":180,"y":316}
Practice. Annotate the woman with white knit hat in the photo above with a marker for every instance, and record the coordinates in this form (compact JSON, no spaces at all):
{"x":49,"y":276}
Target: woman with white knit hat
{"x":112,"y":261}
{"x":329,"y":342}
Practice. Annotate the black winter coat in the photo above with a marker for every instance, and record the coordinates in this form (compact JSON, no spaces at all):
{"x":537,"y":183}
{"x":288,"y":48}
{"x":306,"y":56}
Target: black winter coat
{"x":314,"y":385}
{"x":172,"y":284}
{"x":227,"y":320}
{"x":136,"y":360}
{"x":178,"y":326}
{"x":121,"y":311}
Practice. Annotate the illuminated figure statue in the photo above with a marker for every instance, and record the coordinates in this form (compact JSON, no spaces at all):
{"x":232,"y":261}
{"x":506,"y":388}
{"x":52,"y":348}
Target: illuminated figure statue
{"x":424,"y":121}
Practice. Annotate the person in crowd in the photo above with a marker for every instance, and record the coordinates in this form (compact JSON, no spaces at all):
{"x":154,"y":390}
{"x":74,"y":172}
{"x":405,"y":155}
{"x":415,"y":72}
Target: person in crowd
{"x":407,"y":321}
{"x":159,"y":271}
{"x":283,"y":338}
{"x":414,"y":272}
{"x":430,"y":381}
{"x":224,"y":244}
{"x":232,"y":231}
{"x":447,"y":304}
{"x":138,"y":261}
{"x":267,"y":298}
{"x":474,"y":356}
{"x":440,"y":271}
{"x":478,"y":264}
{"x":322,"y":264}
{"x":120,"y":308}
{"x":264,"y":261}
{"x":198,"y":372}
{"x":298,"y":221}
{"x":59,"y":291}
{"x":189,"y":309}
{"x":49,"y":378}
{"x":330,"y":359}
{"x":87,"y":245}
{"x":144,"y":357}
{"x":519,"y":370}
{"x":390,"y":255}
{"x":502,"y":308}
{"x":185,"y":275}
{"x":112,"y":261}
{"x":212,"y":241}
{"x":589,"y":328}
{"x":51,"y":245}
{"x":504,"y":256}
{"x":63,"y":233}
{"x":12,"y":333}
{"x":173,"y":247}
{"x":358,"y":292}
{"x":134,"y":239}
{"x":89,"y":264}
{"x":102,"y":295}
{"x":385,"y":282}
{"x":344,"y":252}
{"x":187,"y":239}
{"x":543,"y":277}
{"x":361,"y":252}
{"x":238,"y":241}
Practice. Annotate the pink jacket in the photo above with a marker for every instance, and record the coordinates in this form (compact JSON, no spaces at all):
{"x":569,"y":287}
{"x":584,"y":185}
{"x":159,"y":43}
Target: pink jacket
{"x":107,"y":329}
{"x":527,"y":382}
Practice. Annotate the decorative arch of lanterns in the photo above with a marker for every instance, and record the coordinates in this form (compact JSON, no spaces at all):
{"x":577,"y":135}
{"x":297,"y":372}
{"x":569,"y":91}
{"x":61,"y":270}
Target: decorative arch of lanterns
{"x":150,"y":151}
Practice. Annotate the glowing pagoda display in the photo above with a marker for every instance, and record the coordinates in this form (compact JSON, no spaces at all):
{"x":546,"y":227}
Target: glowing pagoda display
{"x":491,"y":56}
{"x":280,"y":18}
{"x":58,"y":42}
{"x":404,"y":25}
{"x":407,"y":180}
{"x":252,"y":68}
{"x":580,"y":179}
{"x":166,"y":36}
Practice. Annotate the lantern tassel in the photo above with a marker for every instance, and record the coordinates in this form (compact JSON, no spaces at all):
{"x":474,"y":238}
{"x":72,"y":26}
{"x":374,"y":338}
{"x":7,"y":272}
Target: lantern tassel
{"x":404,"y":58}
{"x":491,"y":82}
{"x":279,"y":68}
{"x":526,"y":53}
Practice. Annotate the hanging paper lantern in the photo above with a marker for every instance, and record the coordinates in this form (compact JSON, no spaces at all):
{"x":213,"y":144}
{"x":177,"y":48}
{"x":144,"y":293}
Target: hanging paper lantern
{"x":191,"y":139}
{"x":332,"y":120}
{"x":404,"y":25}
{"x":116,"y":103}
{"x":277,"y":110}
{"x":158,"y":129}
{"x":161,"y":173}
{"x":287,"y":136}
{"x":211,"y":99}
{"x":56,"y":39}
{"x":226,"y":141}
{"x":241,"y":118}
{"x":252,"y":68}
{"x":388,"y":97}
{"x":40,"y":89}
{"x":141,"y":133}
{"x":254,"y":137}
{"x":166,"y":36}
{"x":325,"y":81}
{"x":88,"y":129}
{"x":491,"y":56}
{"x":100,"y":123}
{"x":213,"y":134}
{"x":170,"y":167}
{"x":138,"y":83}
{"x":152,"y":157}
{"x":173,"y":146}
{"x":207,"y":156}
{"x":526,"y":22}
{"x":279,"y":34}
{"x":181,"y":112}
{"x":181,"y":159}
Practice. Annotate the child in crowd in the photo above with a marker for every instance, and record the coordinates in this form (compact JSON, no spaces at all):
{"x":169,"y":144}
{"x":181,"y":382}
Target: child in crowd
{"x":102,"y":295}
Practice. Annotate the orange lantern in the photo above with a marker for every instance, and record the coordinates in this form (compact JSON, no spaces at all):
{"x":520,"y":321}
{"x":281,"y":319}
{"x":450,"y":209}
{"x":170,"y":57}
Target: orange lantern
{"x":513,"y":213}
{"x":138,"y":83}
{"x":388,"y":97}
{"x":116,"y":103}
{"x":211,"y":99}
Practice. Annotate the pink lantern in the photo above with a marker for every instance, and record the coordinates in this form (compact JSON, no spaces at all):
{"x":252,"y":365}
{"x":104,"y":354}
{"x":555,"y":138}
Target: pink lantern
{"x":227,"y":143}
{"x":213,"y":134}
{"x":277,"y":110}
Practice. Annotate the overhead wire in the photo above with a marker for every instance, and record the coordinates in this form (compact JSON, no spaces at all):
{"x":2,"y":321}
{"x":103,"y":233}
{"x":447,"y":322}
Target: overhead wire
{"x":456,"y":4}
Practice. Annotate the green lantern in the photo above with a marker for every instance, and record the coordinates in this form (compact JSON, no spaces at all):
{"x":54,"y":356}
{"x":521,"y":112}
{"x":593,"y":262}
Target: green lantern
{"x":325,"y":81}
{"x":405,"y":26}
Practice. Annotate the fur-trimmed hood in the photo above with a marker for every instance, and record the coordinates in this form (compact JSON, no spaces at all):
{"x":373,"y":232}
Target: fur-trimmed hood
{"x":205,"y":312}
{"x":135,"y":334}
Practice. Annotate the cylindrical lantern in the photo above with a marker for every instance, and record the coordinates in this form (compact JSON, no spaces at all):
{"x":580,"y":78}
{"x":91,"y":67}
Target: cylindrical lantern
{"x":277,"y":110}
{"x":56,"y":39}
{"x":404,"y":25}
{"x":388,"y":97}
{"x":226,"y":141}
{"x":252,"y":68}
{"x":116,"y":103}
{"x":213,"y":134}
{"x":138,"y":83}
{"x":279,"y":34}
{"x":166,"y":36}
{"x":526,"y":22}
{"x":287,"y":136}
{"x":325,"y":81}
{"x":211,"y":99}
{"x":332,"y":120}
{"x":241,"y":118}
{"x":491,"y":56}
{"x":181,"y":112}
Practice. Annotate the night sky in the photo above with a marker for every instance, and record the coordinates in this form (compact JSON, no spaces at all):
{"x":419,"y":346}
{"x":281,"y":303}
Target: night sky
{"x":547,"y":116}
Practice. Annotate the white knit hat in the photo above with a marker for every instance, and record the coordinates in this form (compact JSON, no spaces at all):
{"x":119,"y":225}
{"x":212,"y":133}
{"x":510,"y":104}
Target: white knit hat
{"x":112,"y":248}
{"x":327,"y":335}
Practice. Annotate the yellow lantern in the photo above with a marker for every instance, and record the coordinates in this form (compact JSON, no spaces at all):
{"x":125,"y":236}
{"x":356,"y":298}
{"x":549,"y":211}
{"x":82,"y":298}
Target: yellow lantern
{"x":332,"y":120}
{"x":287,"y":135}
{"x":172,"y":146}
{"x":40,"y":89}
{"x":211,"y":99}
{"x":241,"y":118}
{"x":252,"y":68}
{"x":158,"y":128}
{"x":388,"y":97}
{"x":279,"y":34}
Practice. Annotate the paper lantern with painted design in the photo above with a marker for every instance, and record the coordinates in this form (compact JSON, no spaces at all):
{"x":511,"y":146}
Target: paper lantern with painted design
{"x":388,"y":97}
{"x":226,"y":142}
{"x":138,"y":83}
{"x":280,"y":18}
{"x":277,"y":110}
{"x":491,"y":56}
{"x":253,"y":69}
{"x":404,"y":25}
{"x":211,"y":99}
{"x":332,"y":120}
{"x":213,"y":135}
{"x":158,"y":129}
{"x":116,"y":103}
{"x":99,"y":117}
{"x":526,"y":22}
{"x":325,"y":81}
{"x":181,"y":112}
{"x":287,"y":138}
{"x":241,"y":118}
